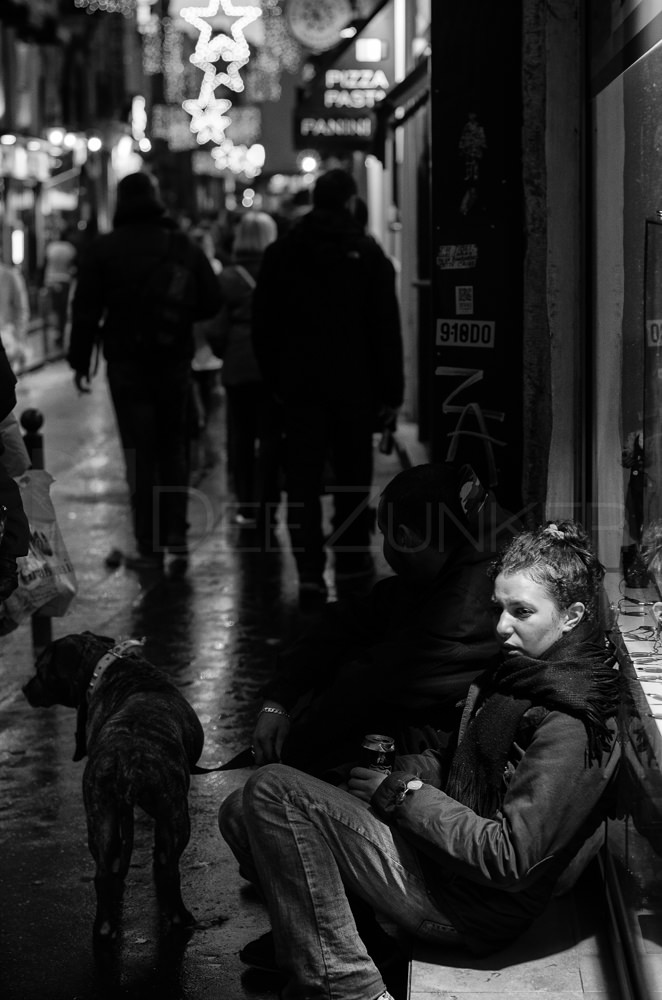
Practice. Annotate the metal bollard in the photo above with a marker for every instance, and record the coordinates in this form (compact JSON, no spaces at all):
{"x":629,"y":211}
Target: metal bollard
{"x":32,"y":421}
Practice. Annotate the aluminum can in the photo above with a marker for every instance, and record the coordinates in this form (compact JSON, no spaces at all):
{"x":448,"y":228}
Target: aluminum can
{"x":378,"y":752}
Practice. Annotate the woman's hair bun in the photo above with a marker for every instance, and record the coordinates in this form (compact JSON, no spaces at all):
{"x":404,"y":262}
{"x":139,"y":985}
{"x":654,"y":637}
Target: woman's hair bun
{"x":560,"y":556}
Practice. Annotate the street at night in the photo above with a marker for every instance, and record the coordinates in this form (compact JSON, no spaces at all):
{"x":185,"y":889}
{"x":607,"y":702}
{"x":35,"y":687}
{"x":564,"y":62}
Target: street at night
{"x":213,"y":631}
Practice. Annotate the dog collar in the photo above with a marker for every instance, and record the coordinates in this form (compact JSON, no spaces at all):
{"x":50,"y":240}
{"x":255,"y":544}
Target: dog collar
{"x":119,"y":650}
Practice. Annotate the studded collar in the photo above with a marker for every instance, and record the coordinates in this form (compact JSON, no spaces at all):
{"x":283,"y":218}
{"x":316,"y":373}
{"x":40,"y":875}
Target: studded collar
{"x":119,"y":650}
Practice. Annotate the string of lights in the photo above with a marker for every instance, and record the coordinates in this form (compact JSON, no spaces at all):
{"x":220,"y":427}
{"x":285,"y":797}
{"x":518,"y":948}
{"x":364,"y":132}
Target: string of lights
{"x":125,"y":7}
{"x":209,"y":114}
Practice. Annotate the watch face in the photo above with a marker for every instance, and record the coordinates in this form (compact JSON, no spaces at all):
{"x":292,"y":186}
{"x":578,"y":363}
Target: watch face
{"x":316,"y":24}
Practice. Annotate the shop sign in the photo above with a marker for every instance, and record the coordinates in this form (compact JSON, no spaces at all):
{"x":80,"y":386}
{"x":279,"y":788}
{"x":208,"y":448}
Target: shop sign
{"x":338,"y":108}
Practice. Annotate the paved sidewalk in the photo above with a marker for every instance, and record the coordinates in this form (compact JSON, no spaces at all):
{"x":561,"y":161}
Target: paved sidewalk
{"x":213,"y":631}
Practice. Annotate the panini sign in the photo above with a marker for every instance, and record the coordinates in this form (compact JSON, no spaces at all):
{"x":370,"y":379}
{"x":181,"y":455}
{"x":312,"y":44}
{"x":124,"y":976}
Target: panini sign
{"x":337,"y":109}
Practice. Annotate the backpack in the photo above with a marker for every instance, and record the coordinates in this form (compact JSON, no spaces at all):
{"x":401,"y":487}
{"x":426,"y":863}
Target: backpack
{"x":167,"y":297}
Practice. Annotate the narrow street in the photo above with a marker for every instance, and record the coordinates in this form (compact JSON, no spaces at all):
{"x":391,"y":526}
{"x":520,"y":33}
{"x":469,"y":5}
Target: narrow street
{"x":213,"y":631}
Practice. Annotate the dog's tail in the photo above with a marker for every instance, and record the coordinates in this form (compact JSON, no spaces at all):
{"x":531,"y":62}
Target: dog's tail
{"x":245,"y":758}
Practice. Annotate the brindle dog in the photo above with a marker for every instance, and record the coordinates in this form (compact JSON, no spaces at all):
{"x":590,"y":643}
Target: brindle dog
{"x":142,"y":740}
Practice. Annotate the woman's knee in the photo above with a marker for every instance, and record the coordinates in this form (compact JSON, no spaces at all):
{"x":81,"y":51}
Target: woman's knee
{"x":269,"y":787}
{"x":231,"y":810}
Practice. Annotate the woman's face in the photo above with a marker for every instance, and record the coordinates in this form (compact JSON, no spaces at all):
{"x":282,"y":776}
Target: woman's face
{"x":529,"y":620}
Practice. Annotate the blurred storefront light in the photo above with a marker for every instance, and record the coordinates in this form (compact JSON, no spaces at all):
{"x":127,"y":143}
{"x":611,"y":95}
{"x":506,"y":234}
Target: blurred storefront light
{"x":124,"y":158}
{"x":308,"y":161}
{"x":17,"y":247}
{"x":94,"y":144}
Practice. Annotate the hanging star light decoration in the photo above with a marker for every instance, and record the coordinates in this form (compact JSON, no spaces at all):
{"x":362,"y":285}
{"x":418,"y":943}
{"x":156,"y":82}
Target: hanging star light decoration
{"x":208,"y":116}
{"x":209,"y":123}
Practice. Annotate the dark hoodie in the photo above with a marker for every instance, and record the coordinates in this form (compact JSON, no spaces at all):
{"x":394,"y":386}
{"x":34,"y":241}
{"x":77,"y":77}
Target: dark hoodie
{"x":398,"y":661}
{"x":326,"y":322}
{"x":112,"y":298}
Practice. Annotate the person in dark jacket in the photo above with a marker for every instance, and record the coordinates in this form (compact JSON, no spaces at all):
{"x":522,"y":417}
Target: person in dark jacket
{"x":399,"y":659}
{"x":15,"y":531}
{"x":326,"y":331}
{"x":464,"y":849}
{"x":140,"y":288}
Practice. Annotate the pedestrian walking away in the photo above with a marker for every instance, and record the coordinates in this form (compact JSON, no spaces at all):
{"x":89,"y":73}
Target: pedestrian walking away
{"x":253,"y":425}
{"x":140,"y":289}
{"x":326,"y":330}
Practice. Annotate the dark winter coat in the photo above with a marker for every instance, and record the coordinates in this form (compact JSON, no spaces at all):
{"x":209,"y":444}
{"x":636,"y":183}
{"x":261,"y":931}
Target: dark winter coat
{"x":15,"y":540}
{"x":401,"y":657}
{"x":326,"y":322}
{"x":234,"y":342}
{"x":114,"y":301}
{"x":492,"y":876}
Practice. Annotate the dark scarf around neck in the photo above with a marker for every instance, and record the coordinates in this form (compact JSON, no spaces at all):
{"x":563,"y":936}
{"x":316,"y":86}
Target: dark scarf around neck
{"x":576,"y":676}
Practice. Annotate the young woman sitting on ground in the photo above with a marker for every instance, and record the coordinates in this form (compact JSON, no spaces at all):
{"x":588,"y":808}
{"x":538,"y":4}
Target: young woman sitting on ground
{"x":464,"y":849}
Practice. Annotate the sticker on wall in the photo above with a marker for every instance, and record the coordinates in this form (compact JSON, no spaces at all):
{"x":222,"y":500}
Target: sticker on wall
{"x":465,"y":333}
{"x":460,"y":256}
{"x":464,"y":300}
{"x":654,"y":333}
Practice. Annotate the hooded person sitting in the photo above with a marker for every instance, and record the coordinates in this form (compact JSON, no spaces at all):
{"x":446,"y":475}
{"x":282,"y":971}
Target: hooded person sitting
{"x":400,"y":659}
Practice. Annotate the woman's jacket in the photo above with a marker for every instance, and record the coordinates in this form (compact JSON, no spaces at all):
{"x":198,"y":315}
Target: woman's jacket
{"x":493,"y":874}
{"x":233,"y":342}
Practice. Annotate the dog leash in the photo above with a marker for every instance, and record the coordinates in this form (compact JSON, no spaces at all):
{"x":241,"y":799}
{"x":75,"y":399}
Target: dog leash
{"x":119,"y":650}
{"x":245,"y":758}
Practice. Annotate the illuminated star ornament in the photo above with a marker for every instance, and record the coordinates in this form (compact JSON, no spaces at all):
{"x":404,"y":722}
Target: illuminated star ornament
{"x":208,"y":114}
{"x":209,"y":123}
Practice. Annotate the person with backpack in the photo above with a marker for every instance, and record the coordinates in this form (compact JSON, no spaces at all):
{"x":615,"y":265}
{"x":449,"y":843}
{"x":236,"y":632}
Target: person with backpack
{"x":251,"y":419}
{"x":326,"y":332}
{"x":140,"y":289}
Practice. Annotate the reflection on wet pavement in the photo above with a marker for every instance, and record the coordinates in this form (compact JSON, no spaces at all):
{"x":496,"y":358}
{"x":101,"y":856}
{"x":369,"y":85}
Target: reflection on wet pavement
{"x":213,"y":629}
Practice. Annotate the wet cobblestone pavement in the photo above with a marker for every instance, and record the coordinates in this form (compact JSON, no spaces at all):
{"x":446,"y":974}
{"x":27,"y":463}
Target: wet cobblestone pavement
{"x":213,"y":630}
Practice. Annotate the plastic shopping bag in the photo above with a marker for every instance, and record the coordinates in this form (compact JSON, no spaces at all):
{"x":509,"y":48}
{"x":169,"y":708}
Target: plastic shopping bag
{"x":46,"y":577}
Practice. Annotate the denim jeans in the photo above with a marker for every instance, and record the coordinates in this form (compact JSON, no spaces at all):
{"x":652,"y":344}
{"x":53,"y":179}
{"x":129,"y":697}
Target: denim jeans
{"x":304,"y":843}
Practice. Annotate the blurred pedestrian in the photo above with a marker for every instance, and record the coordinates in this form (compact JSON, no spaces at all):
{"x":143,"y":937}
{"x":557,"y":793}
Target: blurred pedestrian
{"x":207,"y":393}
{"x":326,"y":330}
{"x":251,"y":418}
{"x":59,"y":270}
{"x":14,"y":315}
{"x":14,"y":527}
{"x":139,"y":291}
